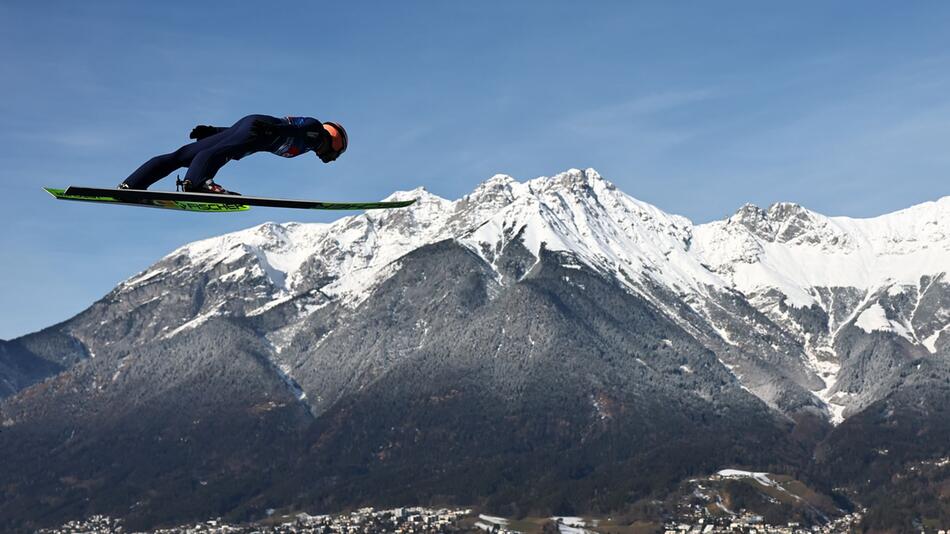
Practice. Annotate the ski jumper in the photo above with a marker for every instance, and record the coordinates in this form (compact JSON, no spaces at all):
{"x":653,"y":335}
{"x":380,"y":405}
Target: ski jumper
{"x":205,"y":156}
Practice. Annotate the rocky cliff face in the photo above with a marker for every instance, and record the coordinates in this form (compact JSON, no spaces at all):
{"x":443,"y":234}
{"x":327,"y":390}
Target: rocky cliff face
{"x":528,"y":345}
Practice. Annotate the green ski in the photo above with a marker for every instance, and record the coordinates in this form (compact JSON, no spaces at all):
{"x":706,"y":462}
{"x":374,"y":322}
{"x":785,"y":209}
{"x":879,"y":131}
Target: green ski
{"x":205,"y":202}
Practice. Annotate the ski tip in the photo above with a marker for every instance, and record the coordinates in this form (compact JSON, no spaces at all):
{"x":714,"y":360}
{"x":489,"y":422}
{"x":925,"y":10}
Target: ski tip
{"x":57,"y":193}
{"x":400,"y":203}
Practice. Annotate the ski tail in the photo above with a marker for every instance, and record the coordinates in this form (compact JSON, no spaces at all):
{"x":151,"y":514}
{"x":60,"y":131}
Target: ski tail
{"x":172,"y":204}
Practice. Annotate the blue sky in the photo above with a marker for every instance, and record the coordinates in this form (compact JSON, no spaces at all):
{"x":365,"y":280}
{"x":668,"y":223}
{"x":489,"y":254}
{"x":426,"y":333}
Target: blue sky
{"x":697,"y":107}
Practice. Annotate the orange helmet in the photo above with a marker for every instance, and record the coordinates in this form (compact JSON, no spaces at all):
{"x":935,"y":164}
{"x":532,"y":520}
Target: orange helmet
{"x":338,"y":142}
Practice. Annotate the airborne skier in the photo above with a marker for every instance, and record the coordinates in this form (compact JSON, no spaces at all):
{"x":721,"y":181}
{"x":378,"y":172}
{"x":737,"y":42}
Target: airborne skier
{"x":214,"y":146}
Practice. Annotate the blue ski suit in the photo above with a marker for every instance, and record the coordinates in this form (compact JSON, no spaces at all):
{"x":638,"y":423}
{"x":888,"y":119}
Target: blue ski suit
{"x":205,"y":156}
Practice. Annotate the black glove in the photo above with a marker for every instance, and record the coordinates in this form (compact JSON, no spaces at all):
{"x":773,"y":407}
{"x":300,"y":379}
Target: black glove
{"x":202,"y":130}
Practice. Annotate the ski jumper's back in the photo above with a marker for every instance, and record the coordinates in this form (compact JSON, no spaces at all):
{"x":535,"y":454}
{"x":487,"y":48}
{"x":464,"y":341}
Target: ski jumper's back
{"x":293,"y":136}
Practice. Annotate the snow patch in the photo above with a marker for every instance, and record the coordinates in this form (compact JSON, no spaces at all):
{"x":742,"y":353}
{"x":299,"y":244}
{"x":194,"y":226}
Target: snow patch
{"x":233,"y":275}
{"x":571,"y":525}
{"x":761,"y":478}
{"x":195,"y":322}
{"x":874,"y":318}
{"x":144,"y":277}
{"x":494,"y":520}
{"x":931,"y":341}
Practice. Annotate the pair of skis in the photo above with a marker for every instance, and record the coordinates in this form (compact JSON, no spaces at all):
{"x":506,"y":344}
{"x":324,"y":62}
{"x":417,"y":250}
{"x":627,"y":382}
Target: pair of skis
{"x":206,"y":202}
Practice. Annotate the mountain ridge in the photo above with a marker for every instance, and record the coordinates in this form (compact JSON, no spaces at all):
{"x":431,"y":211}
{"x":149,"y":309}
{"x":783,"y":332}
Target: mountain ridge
{"x":783,"y":258}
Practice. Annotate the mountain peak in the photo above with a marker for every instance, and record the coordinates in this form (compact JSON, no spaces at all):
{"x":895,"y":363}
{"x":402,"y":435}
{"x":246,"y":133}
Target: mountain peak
{"x":500,"y":189}
{"x":788,"y":222}
{"x":785,"y":211}
{"x":571,"y":180}
{"x":419,"y":193}
{"x":797,"y":225}
{"x":754,"y":219}
{"x":498,"y":180}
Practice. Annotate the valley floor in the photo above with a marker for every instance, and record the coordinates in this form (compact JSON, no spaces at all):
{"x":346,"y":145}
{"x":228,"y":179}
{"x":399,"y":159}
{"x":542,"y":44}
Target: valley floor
{"x":433,"y":521}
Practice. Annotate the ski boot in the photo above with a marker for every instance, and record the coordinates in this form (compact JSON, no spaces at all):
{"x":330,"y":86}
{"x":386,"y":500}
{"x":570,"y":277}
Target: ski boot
{"x":208,"y":186}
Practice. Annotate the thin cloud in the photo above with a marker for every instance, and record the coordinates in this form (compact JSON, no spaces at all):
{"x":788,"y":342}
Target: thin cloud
{"x":623,"y":114}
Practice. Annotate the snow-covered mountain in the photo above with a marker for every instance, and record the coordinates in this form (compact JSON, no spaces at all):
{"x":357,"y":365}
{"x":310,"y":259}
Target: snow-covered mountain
{"x":537,"y":345}
{"x":778,"y":294}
